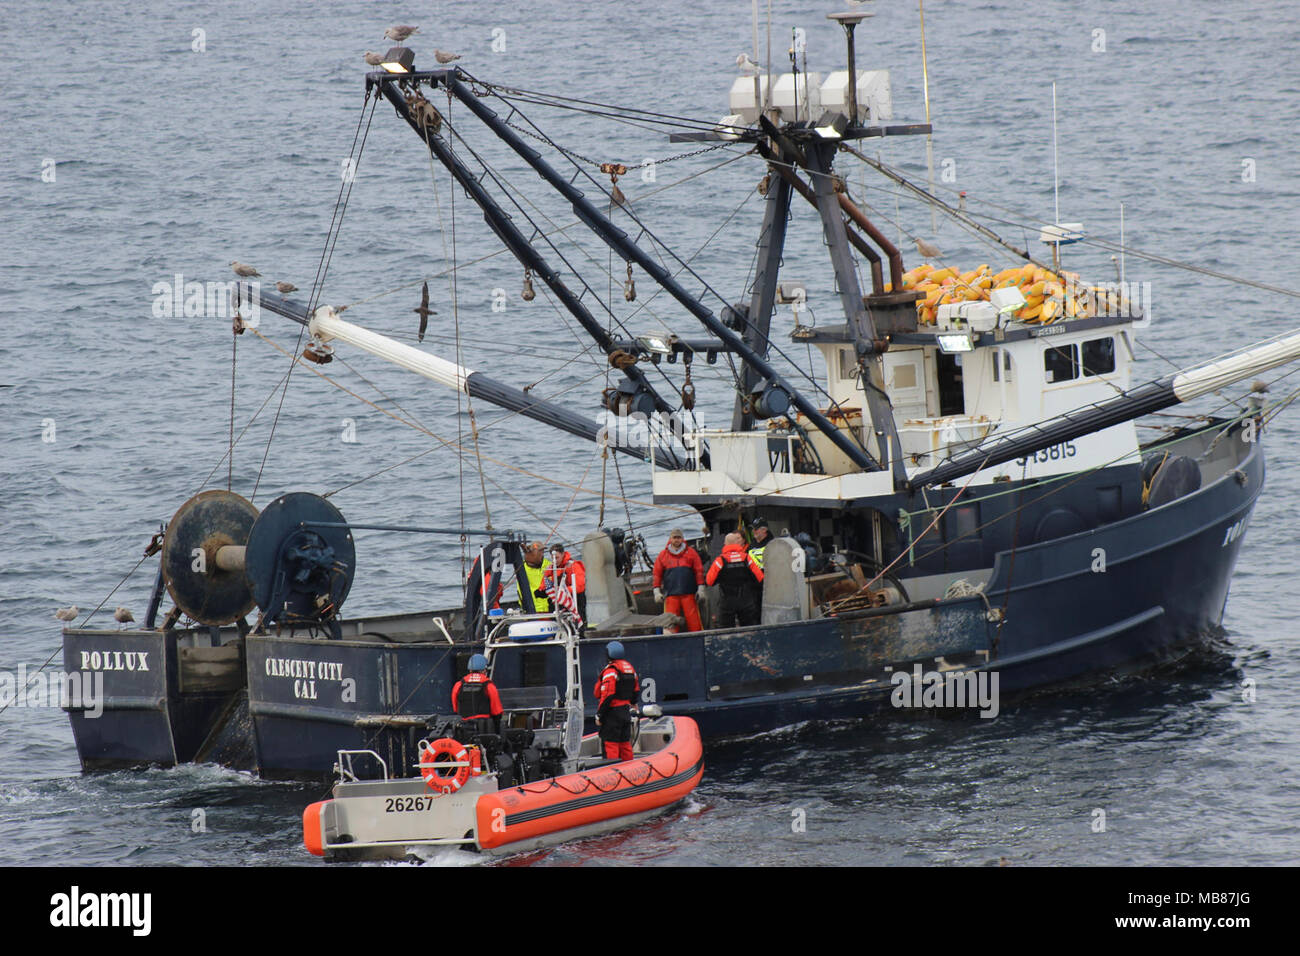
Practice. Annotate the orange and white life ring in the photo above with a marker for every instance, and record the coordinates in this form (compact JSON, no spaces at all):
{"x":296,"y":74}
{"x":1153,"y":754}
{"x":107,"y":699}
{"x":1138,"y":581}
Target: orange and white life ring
{"x":437,"y":760}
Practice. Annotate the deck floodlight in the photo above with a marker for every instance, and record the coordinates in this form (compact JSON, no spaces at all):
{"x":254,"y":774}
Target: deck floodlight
{"x":951,"y":342}
{"x":832,"y":125}
{"x":655,"y":344}
{"x":400,"y":59}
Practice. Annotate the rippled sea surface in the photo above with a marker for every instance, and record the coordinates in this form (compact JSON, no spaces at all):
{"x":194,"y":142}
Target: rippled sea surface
{"x":167,"y":152}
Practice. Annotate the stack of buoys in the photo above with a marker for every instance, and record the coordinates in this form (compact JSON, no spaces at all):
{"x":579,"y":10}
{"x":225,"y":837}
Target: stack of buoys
{"x":1049,"y":297}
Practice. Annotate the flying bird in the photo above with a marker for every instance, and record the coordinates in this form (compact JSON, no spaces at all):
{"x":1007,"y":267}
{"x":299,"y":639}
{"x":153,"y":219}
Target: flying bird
{"x":927,"y":250}
{"x":123,"y":616}
{"x":424,"y":311}
{"x":444,"y":57}
{"x":246,"y":271}
{"x":374,"y":59}
{"x":286,"y":287}
{"x":66,"y":613}
{"x":398,"y":34}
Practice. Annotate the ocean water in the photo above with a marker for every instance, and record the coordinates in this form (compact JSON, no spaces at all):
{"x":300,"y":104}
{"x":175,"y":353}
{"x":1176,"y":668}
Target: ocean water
{"x":154,"y":141}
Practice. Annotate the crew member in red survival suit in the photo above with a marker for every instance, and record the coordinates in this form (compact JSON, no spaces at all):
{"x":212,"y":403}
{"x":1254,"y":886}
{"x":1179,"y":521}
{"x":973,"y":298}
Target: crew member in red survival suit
{"x":615,"y":691}
{"x":475,"y":697}
{"x":741,"y":581}
{"x":679,"y":580}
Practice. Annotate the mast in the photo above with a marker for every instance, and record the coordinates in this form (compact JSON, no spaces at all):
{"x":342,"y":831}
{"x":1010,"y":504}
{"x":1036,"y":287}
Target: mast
{"x":619,"y":241}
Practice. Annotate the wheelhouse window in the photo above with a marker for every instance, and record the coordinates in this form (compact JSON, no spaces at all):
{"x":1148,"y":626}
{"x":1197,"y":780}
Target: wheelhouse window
{"x":1061,"y":363}
{"x":1099,"y":356}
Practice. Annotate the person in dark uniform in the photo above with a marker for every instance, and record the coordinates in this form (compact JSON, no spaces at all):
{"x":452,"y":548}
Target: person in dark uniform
{"x":475,"y":698}
{"x":740,"y":578}
{"x":615,"y":691}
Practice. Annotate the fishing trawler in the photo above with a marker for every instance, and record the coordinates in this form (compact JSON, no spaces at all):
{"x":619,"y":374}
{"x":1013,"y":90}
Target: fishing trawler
{"x":962,"y":491}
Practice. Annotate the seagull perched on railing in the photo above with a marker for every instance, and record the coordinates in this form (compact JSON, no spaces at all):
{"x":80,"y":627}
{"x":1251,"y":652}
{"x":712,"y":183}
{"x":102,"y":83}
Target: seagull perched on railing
{"x":284,"y":288}
{"x":246,"y":271}
{"x":398,"y":34}
{"x":746,"y":62}
{"x":443,"y":57}
{"x":66,"y":613}
{"x":373,"y":59}
{"x":123,"y":616}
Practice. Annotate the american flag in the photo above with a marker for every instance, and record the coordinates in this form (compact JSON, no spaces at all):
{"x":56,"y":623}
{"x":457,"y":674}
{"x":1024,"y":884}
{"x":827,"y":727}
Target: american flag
{"x":561,"y":596}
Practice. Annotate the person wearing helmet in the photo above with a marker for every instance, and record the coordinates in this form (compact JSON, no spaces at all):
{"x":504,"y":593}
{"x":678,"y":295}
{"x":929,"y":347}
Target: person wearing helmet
{"x":615,"y":691}
{"x":475,"y":697}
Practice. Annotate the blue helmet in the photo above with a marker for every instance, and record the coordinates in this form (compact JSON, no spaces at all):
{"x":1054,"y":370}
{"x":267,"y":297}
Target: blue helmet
{"x":614,"y":650}
{"x":478,"y":663}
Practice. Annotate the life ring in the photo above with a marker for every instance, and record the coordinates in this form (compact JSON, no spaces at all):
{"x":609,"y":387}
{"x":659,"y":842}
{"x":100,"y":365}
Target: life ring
{"x":445,"y":779}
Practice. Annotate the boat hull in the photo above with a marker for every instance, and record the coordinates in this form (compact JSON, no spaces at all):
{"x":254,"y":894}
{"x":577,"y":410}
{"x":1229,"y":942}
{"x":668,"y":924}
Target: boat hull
{"x":1117,"y":598}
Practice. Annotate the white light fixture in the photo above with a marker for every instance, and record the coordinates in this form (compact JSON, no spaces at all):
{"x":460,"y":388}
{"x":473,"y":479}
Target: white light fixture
{"x":951,"y":342}
{"x":655,"y":344}
{"x":730,"y":127}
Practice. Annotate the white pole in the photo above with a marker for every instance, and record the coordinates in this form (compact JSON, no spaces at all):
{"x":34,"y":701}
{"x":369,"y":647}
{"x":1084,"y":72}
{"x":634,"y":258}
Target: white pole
{"x":929,"y":138}
{"x":326,"y":325}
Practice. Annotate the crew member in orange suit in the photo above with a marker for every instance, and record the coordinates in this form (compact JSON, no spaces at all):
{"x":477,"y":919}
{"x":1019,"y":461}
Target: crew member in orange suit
{"x":615,"y":691}
{"x":572,"y":573}
{"x":475,"y":697}
{"x":740,"y":578}
{"x":679,"y":580}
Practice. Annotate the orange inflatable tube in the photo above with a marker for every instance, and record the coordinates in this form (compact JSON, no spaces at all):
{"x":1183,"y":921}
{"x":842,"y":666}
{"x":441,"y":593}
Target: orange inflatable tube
{"x":593,"y":796}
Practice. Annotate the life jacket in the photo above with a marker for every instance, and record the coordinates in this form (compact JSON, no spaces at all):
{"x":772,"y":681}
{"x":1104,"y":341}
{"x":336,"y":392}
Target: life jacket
{"x":473,"y":699}
{"x":737,"y":573}
{"x":536,"y":578}
{"x":572,"y":573}
{"x":618,"y":684}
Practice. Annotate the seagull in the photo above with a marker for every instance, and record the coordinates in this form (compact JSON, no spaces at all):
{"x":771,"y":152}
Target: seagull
{"x":927,"y":250}
{"x":424,"y":311}
{"x":374,"y":59}
{"x":398,"y":34}
{"x":244,"y":270}
{"x":123,"y":616}
{"x":286,"y":287}
{"x":745,"y":62}
{"x":66,"y":613}
{"x":444,"y":57}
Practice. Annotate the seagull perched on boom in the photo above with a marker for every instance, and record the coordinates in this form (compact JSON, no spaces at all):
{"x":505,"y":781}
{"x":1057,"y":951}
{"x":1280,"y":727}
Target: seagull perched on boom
{"x":373,"y":59}
{"x":398,"y":34}
{"x":443,"y":57}
{"x":246,"y":271}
